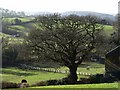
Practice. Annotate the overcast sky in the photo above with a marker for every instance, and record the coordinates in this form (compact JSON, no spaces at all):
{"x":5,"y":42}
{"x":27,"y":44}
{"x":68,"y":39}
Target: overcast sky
{"x":102,"y":6}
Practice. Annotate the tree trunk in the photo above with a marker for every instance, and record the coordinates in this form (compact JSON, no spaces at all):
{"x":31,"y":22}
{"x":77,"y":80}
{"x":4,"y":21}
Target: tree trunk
{"x":73,"y":75}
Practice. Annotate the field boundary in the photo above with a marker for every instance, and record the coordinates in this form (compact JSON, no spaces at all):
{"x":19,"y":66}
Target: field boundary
{"x":24,"y":66}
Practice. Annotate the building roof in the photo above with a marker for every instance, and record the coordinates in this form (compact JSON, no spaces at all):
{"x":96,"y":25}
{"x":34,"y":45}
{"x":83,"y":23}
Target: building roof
{"x":114,"y":52}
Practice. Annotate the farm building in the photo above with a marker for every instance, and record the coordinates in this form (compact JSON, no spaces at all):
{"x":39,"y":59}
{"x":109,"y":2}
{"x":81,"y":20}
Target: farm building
{"x":112,"y":63}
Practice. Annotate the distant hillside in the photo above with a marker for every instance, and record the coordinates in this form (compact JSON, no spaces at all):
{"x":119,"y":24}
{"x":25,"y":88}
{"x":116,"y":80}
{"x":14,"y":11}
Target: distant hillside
{"x":38,"y":13}
{"x":84,"y":13}
{"x":81,"y":13}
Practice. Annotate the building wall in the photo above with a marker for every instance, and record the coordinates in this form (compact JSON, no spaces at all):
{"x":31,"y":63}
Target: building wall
{"x":112,"y":63}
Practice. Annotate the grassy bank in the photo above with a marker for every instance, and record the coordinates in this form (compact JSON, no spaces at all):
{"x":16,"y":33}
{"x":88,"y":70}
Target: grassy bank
{"x":103,"y":86}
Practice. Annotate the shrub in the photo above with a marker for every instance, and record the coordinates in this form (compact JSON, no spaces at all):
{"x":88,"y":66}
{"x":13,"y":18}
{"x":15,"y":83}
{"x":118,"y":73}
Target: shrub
{"x":62,"y":81}
{"x":84,"y":81}
{"x":9,"y":85}
{"x":41,"y":83}
{"x":52,"y":82}
{"x":100,"y":78}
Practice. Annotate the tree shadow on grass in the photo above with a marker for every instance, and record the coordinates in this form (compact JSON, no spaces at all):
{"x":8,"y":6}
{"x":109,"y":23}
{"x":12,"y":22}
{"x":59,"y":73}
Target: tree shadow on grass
{"x":17,"y":73}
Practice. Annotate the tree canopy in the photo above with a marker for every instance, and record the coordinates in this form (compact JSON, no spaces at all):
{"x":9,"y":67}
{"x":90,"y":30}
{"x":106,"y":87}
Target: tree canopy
{"x":66,"y":40}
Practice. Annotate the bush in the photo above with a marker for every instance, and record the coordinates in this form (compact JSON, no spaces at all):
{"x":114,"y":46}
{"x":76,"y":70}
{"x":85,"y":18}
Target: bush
{"x":52,"y":82}
{"x":9,"y":53}
{"x":62,"y":81}
{"x":42,"y":83}
{"x":84,"y":81}
{"x":100,"y":78}
{"x":9,"y":85}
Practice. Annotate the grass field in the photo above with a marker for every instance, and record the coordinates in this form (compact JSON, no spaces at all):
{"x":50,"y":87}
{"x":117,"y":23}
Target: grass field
{"x":11,"y":20}
{"x":32,"y":76}
{"x":18,"y":28}
{"x":94,"y":68}
{"x":108,"y":30}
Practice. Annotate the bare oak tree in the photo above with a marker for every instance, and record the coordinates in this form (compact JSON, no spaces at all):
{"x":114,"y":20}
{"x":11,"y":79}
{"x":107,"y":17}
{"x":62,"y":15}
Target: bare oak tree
{"x":67,"y":40}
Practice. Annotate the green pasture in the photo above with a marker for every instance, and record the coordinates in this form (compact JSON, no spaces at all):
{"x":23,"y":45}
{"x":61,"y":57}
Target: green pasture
{"x":84,"y":70}
{"x":11,"y":20}
{"x":11,"y":39}
{"x":15,"y":40}
{"x":8,"y":20}
{"x":92,"y":65}
{"x":108,"y":30}
{"x":26,"y":19}
{"x":18,"y":28}
{"x":32,"y":76}
{"x":94,"y":68}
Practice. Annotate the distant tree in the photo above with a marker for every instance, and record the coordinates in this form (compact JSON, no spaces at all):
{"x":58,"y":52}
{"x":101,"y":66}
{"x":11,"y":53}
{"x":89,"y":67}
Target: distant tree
{"x":21,"y":14}
{"x":115,"y":35}
{"x":17,"y":21}
{"x":103,"y":44}
{"x":66,"y":40}
{"x":6,"y":13}
{"x":9,"y":52}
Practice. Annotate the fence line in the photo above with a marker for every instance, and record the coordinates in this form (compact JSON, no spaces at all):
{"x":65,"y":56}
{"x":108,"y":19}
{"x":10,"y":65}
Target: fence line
{"x":24,"y":66}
